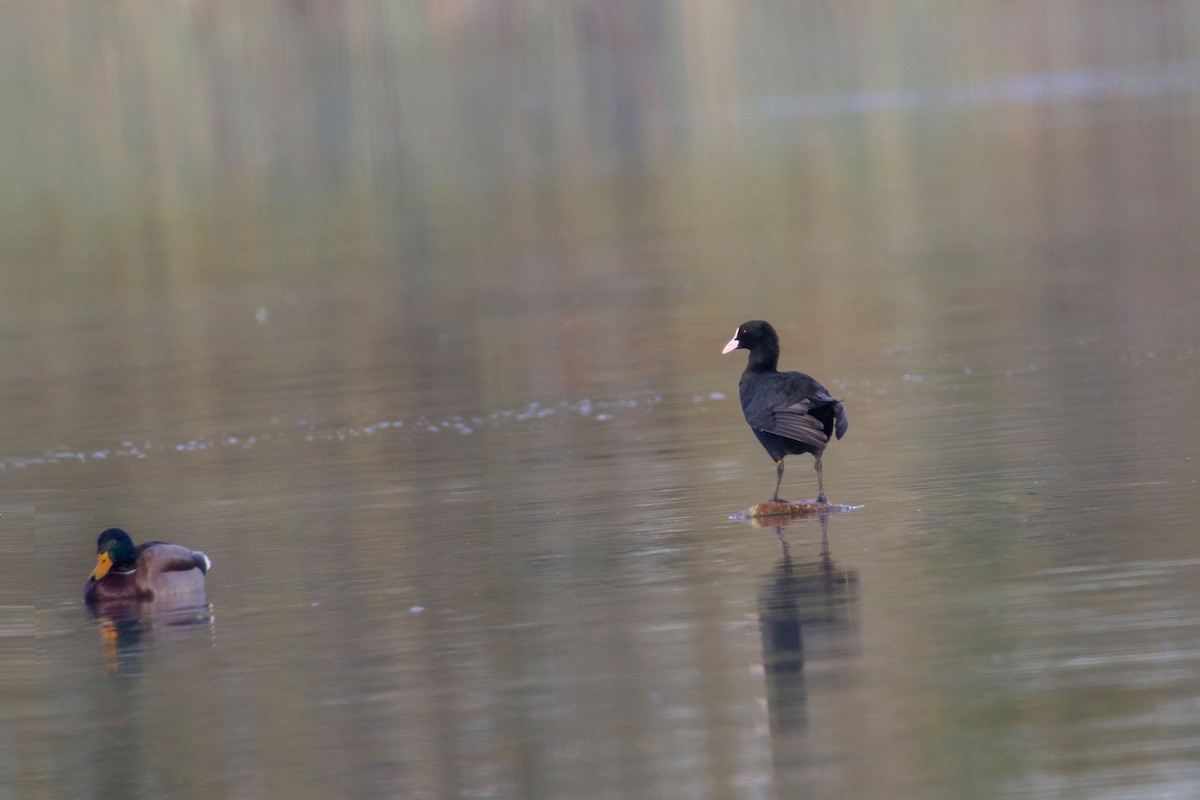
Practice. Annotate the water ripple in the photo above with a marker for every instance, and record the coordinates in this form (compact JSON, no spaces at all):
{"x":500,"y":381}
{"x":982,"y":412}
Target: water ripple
{"x":306,"y":431}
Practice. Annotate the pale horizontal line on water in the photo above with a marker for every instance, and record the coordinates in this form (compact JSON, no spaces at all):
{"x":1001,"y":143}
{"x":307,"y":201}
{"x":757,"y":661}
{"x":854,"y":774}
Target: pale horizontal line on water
{"x":1126,"y":567}
{"x":1140,"y":80}
{"x":1120,"y":659}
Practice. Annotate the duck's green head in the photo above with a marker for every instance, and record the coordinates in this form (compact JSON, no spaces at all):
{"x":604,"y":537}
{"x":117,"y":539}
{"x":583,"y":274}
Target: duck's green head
{"x":114,"y":550}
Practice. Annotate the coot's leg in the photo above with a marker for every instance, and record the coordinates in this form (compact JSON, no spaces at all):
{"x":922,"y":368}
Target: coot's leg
{"x":778,"y":480}
{"x":820,"y":483}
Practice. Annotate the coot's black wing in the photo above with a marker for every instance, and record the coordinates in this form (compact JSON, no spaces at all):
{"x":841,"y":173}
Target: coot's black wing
{"x":794,"y":406}
{"x":792,"y":421}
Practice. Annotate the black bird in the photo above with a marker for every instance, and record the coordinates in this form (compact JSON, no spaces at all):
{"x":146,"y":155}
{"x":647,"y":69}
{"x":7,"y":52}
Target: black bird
{"x":789,"y":412}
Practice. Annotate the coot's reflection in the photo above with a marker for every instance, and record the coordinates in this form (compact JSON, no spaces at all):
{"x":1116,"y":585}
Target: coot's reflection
{"x":807,"y":609}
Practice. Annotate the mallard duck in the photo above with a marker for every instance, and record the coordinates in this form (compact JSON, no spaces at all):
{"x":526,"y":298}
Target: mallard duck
{"x":148,"y":571}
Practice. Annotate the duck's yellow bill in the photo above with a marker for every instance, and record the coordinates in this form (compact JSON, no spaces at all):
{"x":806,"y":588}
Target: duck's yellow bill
{"x":103,"y":565}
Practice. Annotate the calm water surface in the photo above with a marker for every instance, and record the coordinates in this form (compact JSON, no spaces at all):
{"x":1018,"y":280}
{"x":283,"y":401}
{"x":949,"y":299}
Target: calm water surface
{"x":413,"y":322}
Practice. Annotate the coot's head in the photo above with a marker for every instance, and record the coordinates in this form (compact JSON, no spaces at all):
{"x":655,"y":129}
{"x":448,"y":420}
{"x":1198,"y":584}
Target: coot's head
{"x":750,"y":335}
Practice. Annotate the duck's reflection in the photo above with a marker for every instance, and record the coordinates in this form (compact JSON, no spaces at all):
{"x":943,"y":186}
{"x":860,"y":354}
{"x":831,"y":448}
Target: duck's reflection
{"x":128,"y":627}
{"x":806,"y":610}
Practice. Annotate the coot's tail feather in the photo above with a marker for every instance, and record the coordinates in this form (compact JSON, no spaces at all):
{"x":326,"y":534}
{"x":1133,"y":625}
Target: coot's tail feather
{"x":842,"y":421}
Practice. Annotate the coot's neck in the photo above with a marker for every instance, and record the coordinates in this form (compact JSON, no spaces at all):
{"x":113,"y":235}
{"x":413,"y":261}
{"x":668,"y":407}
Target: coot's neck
{"x":764,"y":357}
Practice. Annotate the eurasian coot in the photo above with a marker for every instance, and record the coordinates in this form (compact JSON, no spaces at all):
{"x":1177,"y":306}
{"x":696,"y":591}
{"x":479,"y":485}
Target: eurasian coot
{"x":789,"y":412}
